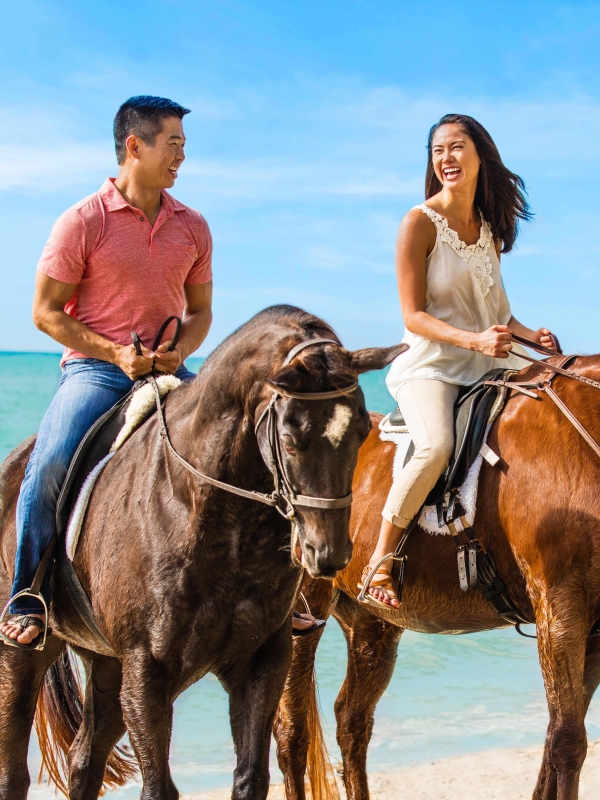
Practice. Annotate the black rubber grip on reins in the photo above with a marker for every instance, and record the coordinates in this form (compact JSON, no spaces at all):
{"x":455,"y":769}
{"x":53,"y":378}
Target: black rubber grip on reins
{"x":137,"y":342}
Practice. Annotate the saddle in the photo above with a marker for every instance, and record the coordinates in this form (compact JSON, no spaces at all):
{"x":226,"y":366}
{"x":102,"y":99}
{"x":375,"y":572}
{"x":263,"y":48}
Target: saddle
{"x":476,"y":408}
{"x":94,"y":447}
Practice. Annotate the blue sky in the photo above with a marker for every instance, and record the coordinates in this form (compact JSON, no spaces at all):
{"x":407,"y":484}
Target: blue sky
{"x":306,"y":144}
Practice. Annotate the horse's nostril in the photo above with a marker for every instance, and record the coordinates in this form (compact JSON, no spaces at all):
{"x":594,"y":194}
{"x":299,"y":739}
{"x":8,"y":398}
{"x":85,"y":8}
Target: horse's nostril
{"x":310,"y":552}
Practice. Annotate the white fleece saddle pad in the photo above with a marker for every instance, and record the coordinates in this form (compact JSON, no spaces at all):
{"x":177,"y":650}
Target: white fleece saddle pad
{"x":428,"y":519}
{"x":139,"y":409}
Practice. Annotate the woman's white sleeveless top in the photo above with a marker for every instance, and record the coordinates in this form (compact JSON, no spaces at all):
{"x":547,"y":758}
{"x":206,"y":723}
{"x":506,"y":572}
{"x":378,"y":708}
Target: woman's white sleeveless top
{"x":464,"y":289}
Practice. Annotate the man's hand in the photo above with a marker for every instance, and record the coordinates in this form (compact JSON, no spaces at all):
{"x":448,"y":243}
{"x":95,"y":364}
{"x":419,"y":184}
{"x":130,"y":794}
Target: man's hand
{"x":167,"y":362}
{"x":134,"y":366}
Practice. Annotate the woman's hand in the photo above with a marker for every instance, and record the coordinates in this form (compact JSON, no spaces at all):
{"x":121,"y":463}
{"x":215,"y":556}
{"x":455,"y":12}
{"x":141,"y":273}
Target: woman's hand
{"x":495,"y":341}
{"x":545,"y":338}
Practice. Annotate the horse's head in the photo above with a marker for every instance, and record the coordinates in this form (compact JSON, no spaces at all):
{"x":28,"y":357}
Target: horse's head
{"x":311,"y":443}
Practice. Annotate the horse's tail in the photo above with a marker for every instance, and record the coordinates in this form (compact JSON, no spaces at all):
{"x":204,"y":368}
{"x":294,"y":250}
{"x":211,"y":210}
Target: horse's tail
{"x":58,"y":715}
{"x":319,"y":772}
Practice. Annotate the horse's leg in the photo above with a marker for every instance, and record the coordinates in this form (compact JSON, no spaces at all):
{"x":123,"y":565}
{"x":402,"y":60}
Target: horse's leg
{"x":21,"y":675}
{"x":297,"y":722}
{"x":147,"y":702}
{"x":255,"y":689}
{"x":546,"y":786}
{"x":102,"y":726}
{"x":372,"y":651}
{"x":565,"y":659}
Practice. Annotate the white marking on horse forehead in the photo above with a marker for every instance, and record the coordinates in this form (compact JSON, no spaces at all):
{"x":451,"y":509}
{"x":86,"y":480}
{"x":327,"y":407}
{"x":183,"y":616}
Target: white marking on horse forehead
{"x":337,"y":425}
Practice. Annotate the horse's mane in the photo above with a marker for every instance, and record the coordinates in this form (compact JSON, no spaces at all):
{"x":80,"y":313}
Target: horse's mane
{"x":329,"y":365}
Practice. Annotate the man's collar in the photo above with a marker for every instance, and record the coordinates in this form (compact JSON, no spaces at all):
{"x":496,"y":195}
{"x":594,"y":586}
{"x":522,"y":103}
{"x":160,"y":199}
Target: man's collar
{"x":169,"y":200}
{"x":114,"y":200}
{"x":111,"y":196}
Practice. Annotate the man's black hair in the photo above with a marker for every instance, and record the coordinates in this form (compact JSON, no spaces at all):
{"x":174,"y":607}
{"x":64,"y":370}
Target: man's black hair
{"x":142,"y":116}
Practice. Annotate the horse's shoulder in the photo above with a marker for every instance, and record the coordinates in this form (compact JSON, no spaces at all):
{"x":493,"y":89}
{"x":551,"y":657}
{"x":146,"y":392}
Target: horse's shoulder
{"x":12,"y":470}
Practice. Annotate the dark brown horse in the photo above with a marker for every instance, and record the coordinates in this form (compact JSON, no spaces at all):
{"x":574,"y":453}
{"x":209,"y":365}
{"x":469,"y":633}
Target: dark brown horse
{"x":186,"y":578}
{"x":538,"y":514}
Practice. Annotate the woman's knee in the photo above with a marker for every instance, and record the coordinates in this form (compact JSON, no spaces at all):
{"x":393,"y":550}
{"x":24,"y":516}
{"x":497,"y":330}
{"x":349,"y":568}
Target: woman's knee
{"x":436,"y":455}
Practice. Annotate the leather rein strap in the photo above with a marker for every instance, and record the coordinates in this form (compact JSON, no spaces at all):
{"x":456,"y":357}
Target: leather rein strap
{"x":283,"y":498}
{"x":545,"y":385}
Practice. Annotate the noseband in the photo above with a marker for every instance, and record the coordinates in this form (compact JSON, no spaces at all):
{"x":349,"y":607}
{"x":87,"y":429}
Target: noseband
{"x":283,"y":498}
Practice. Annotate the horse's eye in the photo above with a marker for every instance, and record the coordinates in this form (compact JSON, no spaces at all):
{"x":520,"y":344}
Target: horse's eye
{"x":288,"y":444}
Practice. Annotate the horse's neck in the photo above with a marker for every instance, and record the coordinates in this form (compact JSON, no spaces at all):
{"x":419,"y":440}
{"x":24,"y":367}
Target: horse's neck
{"x":211,"y":431}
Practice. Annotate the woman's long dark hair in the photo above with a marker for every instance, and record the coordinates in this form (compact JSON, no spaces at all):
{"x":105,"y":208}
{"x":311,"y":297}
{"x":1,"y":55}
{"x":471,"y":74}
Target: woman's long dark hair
{"x":500,"y":194}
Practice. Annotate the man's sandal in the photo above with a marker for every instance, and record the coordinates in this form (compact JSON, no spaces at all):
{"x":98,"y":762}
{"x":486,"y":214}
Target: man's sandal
{"x":23,"y":621}
{"x":318,"y":624}
{"x":369,"y":580}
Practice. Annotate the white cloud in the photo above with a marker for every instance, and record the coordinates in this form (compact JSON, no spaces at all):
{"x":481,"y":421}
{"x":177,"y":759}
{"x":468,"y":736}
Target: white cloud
{"x":368,"y":144}
{"x":53,"y":168}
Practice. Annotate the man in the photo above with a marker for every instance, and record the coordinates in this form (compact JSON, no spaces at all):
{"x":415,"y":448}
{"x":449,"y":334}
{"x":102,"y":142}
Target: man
{"x":123,"y":259}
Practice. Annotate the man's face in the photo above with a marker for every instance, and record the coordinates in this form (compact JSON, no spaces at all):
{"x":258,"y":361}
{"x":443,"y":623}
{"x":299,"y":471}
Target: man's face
{"x":158,"y":163}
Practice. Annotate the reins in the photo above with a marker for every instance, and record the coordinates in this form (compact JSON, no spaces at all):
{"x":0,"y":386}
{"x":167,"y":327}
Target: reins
{"x":545,"y":385}
{"x":283,"y":497}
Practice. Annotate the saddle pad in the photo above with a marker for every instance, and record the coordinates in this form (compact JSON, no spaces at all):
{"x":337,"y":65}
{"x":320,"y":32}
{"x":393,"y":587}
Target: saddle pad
{"x":141,"y":405}
{"x":428,"y":519}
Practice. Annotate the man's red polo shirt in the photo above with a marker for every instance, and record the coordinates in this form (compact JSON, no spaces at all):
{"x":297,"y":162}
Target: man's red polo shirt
{"x":129,"y":275}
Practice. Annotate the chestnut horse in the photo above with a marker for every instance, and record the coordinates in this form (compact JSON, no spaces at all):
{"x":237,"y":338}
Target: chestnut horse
{"x":184,"y":577}
{"x":539,"y":516}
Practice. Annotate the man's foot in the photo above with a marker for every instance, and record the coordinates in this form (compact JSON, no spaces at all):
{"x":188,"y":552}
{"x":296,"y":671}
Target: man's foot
{"x":305,"y":624}
{"x":381,"y":587}
{"x":13,"y":629}
{"x":302,"y":622}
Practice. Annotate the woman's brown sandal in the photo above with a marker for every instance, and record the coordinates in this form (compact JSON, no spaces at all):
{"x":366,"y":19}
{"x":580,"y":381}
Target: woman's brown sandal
{"x":369,"y":580}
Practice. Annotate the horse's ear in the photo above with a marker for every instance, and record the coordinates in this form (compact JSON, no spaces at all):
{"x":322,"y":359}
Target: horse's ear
{"x":374,"y":357}
{"x":288,"y":378}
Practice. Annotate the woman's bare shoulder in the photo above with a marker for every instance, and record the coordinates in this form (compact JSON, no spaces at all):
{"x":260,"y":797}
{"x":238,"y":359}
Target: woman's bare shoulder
{"x":417,"y":225}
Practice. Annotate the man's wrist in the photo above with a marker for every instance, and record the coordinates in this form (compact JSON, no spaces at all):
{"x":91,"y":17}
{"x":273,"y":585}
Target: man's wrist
{"x":114,"y":351}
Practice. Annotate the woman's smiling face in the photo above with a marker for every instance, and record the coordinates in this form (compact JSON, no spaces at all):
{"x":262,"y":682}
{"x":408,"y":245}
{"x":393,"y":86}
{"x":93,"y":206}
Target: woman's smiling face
{"x":454,"y":157}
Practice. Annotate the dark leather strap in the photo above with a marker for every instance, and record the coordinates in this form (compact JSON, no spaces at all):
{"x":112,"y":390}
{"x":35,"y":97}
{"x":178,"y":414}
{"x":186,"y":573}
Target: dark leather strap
{"x":538,"y":347}
{"x":137,"y":342}
{"x":42,"y":567}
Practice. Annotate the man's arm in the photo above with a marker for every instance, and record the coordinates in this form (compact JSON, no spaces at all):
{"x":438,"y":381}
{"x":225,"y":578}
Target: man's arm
{"x":197,"y":318}
{"x":49,"y":316}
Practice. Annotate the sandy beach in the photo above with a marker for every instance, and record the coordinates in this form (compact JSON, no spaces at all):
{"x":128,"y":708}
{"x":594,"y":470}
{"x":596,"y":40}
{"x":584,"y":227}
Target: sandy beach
{"x":490,"y":775}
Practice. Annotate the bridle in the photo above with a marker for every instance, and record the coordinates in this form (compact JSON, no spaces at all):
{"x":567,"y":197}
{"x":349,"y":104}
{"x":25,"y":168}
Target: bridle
{"x":545,"y":385}
{"x":283,"y":498}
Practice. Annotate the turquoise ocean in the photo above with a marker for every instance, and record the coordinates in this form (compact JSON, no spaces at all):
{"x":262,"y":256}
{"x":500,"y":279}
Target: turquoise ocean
{"x":448,"y":695}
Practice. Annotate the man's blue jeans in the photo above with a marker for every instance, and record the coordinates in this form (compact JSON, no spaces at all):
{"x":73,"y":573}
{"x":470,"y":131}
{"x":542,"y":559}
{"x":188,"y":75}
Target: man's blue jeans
{"x":88,"y":388}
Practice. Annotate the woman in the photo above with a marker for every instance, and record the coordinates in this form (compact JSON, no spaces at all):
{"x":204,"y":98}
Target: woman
{"x":455,"y":310}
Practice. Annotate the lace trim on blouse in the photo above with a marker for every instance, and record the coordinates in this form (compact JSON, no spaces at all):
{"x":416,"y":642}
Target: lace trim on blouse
{"x":474,"y":254}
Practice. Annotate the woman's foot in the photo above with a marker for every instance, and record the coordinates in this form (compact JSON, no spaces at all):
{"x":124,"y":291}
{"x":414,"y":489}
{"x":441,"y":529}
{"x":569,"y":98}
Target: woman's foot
{"x":381,"y":587}
{"x":13,"y":628}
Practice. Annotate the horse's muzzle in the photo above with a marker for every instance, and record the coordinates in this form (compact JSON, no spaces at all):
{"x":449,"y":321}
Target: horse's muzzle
{"x":324,"y":560}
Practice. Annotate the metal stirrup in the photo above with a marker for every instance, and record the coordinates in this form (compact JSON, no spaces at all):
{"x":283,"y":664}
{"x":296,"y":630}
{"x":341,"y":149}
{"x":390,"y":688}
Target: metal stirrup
{"x":367,"y":582}
{"x":38,"y":596}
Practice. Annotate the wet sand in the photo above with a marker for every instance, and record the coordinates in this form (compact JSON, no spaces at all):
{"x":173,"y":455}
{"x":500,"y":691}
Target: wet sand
{"x":490,"y":775}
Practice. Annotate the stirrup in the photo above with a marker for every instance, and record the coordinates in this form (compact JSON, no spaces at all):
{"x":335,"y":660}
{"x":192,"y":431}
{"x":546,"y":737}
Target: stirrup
{"x":5,"y":612}
{"x":319,"y":623}
{"x":363,"y":596}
